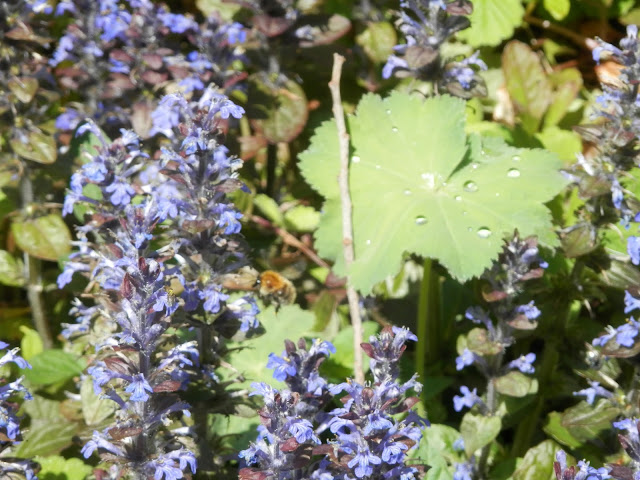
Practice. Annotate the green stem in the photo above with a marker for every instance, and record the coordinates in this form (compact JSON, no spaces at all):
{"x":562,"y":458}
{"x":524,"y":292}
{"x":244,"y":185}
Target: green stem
{"x":33,"y":273}
{"x":427,"y":324}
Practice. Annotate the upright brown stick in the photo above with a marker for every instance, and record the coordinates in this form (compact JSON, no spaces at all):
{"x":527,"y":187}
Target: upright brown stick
{"x":347,"y":226}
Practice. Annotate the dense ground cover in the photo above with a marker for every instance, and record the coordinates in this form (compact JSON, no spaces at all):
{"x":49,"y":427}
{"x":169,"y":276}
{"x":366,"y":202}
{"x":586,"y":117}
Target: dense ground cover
{"x":319,"y":239}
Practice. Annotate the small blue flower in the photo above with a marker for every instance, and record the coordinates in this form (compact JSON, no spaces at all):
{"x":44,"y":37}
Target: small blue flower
{"x":282,"y":366}
{"x":524,"y":363}
{"x":529,"y":310}
{"x":468,"y":399}
{"x":633,"y":248}
{"x":591,"y":392}
{"x":364,"y":460}
{"x":138,"y":388}
{"x":302,"y":430}
{"x":465,"y":359}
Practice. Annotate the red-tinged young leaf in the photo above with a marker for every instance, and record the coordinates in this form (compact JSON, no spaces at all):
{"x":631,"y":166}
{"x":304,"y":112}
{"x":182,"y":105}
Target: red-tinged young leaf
{"x":328,"y":31}
{"x":302,"y":456}
{"x":252,"y":474}
{"x":118,"y":433}
{"x":119,"y":365}
{"x":493,"y":296}
{"x":167,"y":386}
{"x":154,"y":78}
{"x":289,"y":445}
{"x":153,"y":60}
{"x":272,"y":26}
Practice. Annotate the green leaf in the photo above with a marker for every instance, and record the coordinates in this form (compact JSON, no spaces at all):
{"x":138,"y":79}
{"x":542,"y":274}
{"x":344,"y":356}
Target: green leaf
{"x":24,"y":88}
{"x":302,"y":218}
{"x":269,"y":208}
{"x":567,"y":84}
{"x":585,"y":422}
{"x":447,"y":197}
{"x":527,"y":83}
{"x":516,"y":384}
{"x":41,"y":408}
{"x":56,"y":467}
{"x":289,"y":322}
{"x":46,"y":237}
{"x":538,"y":462}
{"x":563,"y":143}
{"x":224,"y":9}
{"x":94,"y":408}
{"x":39,"y":147}
{"x":438,"y":439}
{"x":11,"y":270}
{"x":478,"y":431}
{"x":46,"y":437}
{"x":558,"y":9}
{"x":478,"y":342}
{"x":53,"y":366}
{"x":555,"y":429}
{"x":280,"y":111}
{"x":492,"y":21}
{"x":30,"y":344}
{"x":377,"y":41}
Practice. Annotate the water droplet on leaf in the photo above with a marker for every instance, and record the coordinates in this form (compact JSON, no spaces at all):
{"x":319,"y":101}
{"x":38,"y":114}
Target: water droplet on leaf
{"x":484,"y":232}
{"x":378,"y":167}
{"x":470,"y":186}
{"x":407,"y":191}
{"x":388,"y":111}
{"x":368,"y":242}
{"x":474,"y":165}
{"x":420,"y":220}
{"x":513,"y":173}
{"x":355,"y":159}
{"x":458,"y":198}
{"x":516,"y":158}
{"x":394,"y":129}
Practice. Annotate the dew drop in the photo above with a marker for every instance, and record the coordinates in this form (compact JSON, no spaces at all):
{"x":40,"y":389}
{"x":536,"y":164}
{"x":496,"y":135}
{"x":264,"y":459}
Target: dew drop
{"x":484,"y":232}
{"x":394,"y":129}
{"x":497,"y":194}
{"x":368,"y":242}
{"x":458,"y":198}
{"x":513,"y":173}
{"x":474,"y":165}
{"x":355,"y":159}
{"x":420,"y":220}
{"x":516,"y":158}
{"x":482,"y":152}
{"x":464,"y":213}
{"x":407,"y":192}
{"x":378,"y":167}
{"x":388,"y":111}
{"x":469,"y":229}
{"x":470,"y":186}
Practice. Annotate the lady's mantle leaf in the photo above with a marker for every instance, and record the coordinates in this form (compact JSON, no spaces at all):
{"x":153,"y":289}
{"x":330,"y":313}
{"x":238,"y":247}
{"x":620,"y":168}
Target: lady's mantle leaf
{"x":418,"y":184}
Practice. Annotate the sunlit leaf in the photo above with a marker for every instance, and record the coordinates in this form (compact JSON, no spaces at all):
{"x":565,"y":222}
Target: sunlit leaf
{"x":53,"y":366}
{"x":492,"y":21}
{"x":440,"y":194}
{"x":538,"y":462}
{"x":45,"y":237}
{"x":11,"y":270}
{"x":478,"y":431}
{"x":57,"y":467}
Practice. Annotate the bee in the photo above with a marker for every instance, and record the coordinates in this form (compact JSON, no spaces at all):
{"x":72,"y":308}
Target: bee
{"x":271,"y":286}
{"x":276,"y":289}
